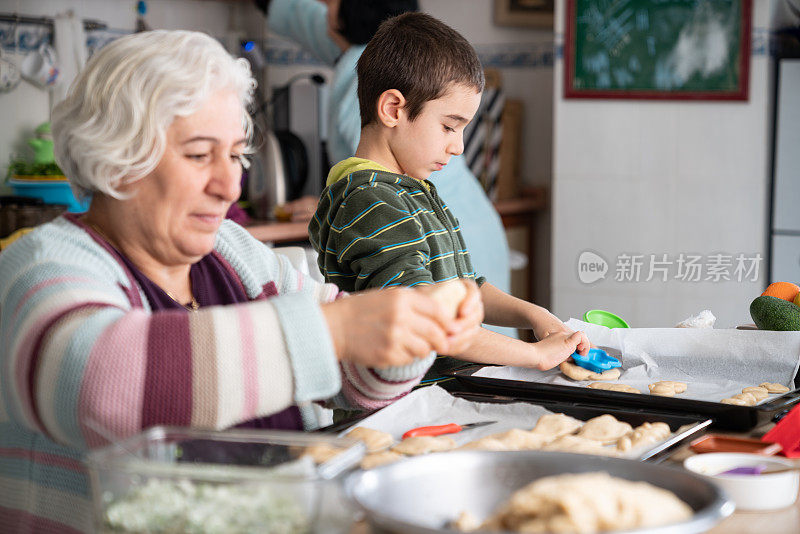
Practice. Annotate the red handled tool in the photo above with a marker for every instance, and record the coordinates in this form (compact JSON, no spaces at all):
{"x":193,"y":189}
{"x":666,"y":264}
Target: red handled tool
{"x":438,"y":430}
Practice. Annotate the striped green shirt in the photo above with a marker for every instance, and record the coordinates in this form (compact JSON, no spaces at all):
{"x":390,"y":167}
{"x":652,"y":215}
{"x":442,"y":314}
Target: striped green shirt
{"x":375,"y":228}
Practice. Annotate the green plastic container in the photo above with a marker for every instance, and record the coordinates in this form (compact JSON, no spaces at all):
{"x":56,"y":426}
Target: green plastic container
{"x":604,"y":318}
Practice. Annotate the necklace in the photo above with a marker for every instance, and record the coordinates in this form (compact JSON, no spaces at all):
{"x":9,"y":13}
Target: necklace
{"x":193,"y":305}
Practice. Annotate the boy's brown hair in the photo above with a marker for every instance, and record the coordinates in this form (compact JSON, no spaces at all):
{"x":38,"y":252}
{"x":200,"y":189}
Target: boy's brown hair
{"x":419,"y":56}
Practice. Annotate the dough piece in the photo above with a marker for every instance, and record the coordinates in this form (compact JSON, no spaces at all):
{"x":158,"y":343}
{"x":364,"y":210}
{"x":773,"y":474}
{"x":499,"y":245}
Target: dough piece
{"x":624,"y":388}
{"x":662,"y":390}
{"x":521,"y":440}
{"x":667,"y":388}
{"x":605,"y":429}
{"x":321,"y":452}
{"x":484,"y":444}
{"x":465,"y":522}
{"x":375,"y":440}
{"x":556,"y":425}
{"x":424,"y":445}
{"x":749,"y":398}
{"x":644,"y":434}
{"x":578,"y":373}
{"x":376,"y":459}
{"x":587,"y":503}
{"x":774,"y":387}
{"x":757,"y":391}
{"x":737,"y":402}
{"x":581,"y":445}
{"x":449,"y":294}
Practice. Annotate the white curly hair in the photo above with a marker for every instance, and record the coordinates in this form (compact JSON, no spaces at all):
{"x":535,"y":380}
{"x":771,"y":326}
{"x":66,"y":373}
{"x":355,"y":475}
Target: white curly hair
{"x":111,"y":128}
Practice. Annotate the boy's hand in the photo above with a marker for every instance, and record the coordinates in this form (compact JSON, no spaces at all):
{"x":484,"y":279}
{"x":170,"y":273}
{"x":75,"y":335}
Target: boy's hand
{"x":557,"y":327}
{"x":557,"y":347}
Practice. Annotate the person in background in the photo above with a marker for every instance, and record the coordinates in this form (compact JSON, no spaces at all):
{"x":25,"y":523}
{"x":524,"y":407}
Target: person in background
{"x":336,"y":32}
{"x":381,"y":223}
{"x":152,"y":309}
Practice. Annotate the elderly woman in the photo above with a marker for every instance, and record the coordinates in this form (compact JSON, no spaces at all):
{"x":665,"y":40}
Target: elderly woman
{"x":152,"y":309}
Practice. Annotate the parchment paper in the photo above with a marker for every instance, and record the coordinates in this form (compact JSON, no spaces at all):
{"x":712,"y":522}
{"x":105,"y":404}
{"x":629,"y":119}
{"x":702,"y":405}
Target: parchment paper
{"x":434,"y":406}
{"x":715,"y":363}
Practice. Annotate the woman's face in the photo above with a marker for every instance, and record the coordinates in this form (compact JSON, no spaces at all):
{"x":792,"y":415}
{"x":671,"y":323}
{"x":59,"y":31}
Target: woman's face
{"x":176,"y":210}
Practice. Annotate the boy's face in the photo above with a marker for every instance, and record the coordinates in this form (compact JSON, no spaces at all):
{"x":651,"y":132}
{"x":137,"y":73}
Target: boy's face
{"x":427,"y":143}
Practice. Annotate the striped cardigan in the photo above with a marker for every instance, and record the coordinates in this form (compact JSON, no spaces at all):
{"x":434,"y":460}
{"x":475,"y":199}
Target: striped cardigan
{"x":81,"y":348}
{"x":375,"y":228}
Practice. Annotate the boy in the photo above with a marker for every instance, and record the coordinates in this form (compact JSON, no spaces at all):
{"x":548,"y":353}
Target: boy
{"x":380,"y":223}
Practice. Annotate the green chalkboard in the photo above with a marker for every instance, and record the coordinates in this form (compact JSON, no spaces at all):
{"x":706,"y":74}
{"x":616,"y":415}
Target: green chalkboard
{"x":662,"y":49}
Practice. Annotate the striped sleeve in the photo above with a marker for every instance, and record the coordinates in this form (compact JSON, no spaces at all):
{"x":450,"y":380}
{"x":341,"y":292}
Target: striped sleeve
{"x":376,"y":237}
{"x":78,"y":357}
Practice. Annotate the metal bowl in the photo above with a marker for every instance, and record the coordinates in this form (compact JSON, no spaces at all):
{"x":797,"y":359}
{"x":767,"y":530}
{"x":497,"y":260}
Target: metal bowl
{"x":423,"y":494}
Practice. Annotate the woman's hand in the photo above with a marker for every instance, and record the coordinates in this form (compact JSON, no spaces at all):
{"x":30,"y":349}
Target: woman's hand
{"x":469,"y":316}
{"x":392,"y":327}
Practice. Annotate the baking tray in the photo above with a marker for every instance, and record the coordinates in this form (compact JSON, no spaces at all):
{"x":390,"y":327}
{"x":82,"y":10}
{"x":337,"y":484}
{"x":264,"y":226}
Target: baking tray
{"x":684,"y":427}
{"x":724,"y":416}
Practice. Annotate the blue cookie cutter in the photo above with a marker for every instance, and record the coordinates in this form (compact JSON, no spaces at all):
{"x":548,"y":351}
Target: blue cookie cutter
{"x":596,"y":360}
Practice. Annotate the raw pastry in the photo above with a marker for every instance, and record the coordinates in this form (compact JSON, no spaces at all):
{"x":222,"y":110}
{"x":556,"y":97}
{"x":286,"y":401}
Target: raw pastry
{"x":581,"y":445}
{"x":749,"y":398}
{"x":661,"y":390}
{"x":424,"y":445}
{"x":484,"y":444}
{"x":321,"y":452}
{"x":773,"y":387}
{"x":757,"y":391}
{"x":578,"y":373}
{"x":644,"y":434}
{"x":625,"y":388}
{"x":737,"y":402}
{"x":556,"y":425}
{"x":667,"y":388}
{"x":522,"y":440}
{"x":587,"y":503}
{"x":449,"y":295}
{"x":605,"y":429}
{"x":376,"y":459}
{"x":375,"y":440}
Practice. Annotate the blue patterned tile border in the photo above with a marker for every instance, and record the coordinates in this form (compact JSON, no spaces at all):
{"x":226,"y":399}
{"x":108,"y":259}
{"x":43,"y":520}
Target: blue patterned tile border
{"x":24,"y":38}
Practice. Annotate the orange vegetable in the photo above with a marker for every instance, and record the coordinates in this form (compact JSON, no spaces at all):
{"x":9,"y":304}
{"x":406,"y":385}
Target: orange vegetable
{"x":782,"y":290}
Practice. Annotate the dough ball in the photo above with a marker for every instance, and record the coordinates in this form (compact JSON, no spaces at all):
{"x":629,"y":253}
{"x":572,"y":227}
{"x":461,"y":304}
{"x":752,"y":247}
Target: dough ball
{"x":774,"y":387}
{"x":376,"y":459}
{"x":375,"y":440}
{"x":424,"y":445}
{"x":645,"y":434}
{"x":757,"y":391}
{"x":449,"y":294}
{"x":624,"y":388}
{"x":605,"y":429}
{"x":555,"y":425}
